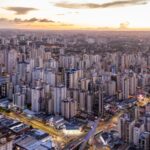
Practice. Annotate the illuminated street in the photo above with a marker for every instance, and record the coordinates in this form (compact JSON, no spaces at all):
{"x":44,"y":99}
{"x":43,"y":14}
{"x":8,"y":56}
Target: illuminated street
{"x":58,"y":137}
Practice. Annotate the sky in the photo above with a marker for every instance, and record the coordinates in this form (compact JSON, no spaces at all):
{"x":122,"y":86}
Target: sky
{"x":75,"y":14}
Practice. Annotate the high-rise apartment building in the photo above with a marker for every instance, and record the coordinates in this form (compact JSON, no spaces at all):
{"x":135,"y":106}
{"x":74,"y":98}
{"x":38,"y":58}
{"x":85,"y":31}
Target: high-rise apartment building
{"x":68,"y":108}
{"x":59,"y":94}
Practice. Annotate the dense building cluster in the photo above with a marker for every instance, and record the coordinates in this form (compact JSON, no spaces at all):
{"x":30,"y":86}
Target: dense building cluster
{"x":134,"y":127}
{"x":69,"y":74}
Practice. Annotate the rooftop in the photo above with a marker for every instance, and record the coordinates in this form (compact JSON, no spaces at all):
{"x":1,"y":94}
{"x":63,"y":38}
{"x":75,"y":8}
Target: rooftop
{"x":33,"y":140}
{"x":144,"y":135}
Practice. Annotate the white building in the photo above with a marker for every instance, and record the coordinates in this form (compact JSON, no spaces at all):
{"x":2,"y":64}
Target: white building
{"x":50,"y":77}
{"x":101,"y":102}
{"x":19,"y":100}
{"x":59,"y":94}
{"x":89,"y":103}
{"x":5,"y":144}
{"x":132,"y":84}
{"x":68,"y":108}
{"x":111,"y":88}
{"x":82,"y":99}
{"x":125,"y":87}
{"x":137,"y":130}
{"x":36,"y":99}
{"x":12,"y":60}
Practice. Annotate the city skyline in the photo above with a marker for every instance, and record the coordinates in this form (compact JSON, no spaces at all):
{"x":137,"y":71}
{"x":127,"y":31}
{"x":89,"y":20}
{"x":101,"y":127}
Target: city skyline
{"x":75,"y":15}
{"x":74,"y":74}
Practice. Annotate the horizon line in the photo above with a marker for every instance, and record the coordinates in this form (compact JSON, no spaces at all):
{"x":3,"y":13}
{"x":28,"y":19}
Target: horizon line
{"x":84,"y":29}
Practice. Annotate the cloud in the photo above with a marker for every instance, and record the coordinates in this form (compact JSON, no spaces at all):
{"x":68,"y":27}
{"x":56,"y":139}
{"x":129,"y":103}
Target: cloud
{"x":46,"y":20}
{"x":20,"y":10}
{"x":5,"y":23}
{"x":117,"y":3}
{"x":28,"y":23}
{"x":18,"y":20}
{"x":124,"y":25}
{"x":3,"y":19}
{"x":31,"y":20}
{"x":34,"y":23}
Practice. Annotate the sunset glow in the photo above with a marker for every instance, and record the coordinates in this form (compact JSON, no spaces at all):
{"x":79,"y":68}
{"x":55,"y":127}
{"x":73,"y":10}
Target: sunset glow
{"x":75,"y":14}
